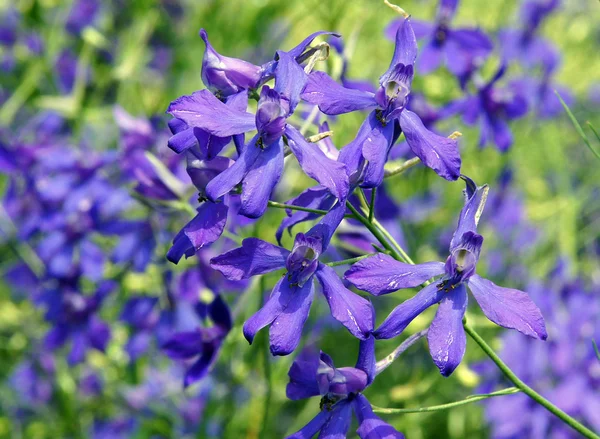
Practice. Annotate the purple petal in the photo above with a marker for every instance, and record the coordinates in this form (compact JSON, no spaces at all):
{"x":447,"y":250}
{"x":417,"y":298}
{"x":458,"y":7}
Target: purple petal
{"x":315,"y":198}
{"x":260,"y":180}
{"x":310,"y":429}
{"x":232,"y":176}
{"x":289,"y":79}
{"x":253,"y":257}
{"x":329,"y":173}
{"x":347,"y":380}
{"x":436,"y":152}
{"x":91,"y":259}
{"x":204,"y":229}
{"x":203,"y":110}
{"x":334,"y":99}
{"x":277,"y":301}
{"x":507,"y":307}
{"x":339,"y":421}
{"x":475,"y":199}
{"x":303,"y":377}
{"x":420,"y":28}
{"x":382,"y":274}
{"x":299,"y":49}
{"x":325,"y":228}
{"x":405,"y":50}
{"x":286,"y":329}
{"x":503,"y":137}
{"x":370,"y":426}
{"x":351,"y":310}
{"x":182,"y":140}
{"x":407,"y":311}
{"x":446,"y":336}
{"x":366,"y":358}
{"x":430,"y":58}
{"x":184,"y":345}
{"x":202,"y":366}
{"x":375,"y":150}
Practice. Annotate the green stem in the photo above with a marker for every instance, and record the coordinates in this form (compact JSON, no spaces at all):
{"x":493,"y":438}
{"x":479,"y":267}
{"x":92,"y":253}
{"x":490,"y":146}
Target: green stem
{"x":264,"y":431}
{"x":436,"y":408}
{"x":397,"y":246}
{"x":349,"y":261}
{"x":577,"y":426}
{"x":374,"y":230}
{"x":403,"y":167}
{"x":372,"y":204}
{"x":292,"y":207}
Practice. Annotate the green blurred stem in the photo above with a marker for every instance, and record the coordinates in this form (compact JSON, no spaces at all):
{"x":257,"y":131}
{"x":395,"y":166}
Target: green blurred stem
{"x":436,"y":408}
{"x":578,"y":127}
{"x":22,"y":93}
{"x":577,"y":426}
{"x":20,"y":247}
{"x":596,"y":349}
{"x":349,"y":261}
{"x":401,"y":168}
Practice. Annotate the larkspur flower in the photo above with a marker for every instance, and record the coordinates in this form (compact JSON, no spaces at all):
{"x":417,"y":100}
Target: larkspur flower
{"x":463,"y":50}
{"x":73,"y":316}
{"x":506,"y":307}
{"x":202,"y":345}
{"x":366,"y":155}
{"x":141,"y":314}
{"x":341,"y":393}
{"x":287,"y":308}
{"x":260,"y":163}
{"x":493,"y":107}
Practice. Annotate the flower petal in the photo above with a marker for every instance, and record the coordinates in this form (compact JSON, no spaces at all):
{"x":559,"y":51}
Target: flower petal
{"x":260,"y":180}
{"x":303,"y":377}
{"x":329,"y":173}
{"x":436,"y":152}
{"x":286,"y":330}
{"x":290,"y":79}
{"x":375,"y":150}
{"x":310,"y":429}
{"x":203,"y":110}
{"x":371,"y":426}
{"x":202,"y":366}
{"x":325,"y":228}
{"x":183,"y":345}
{"x":405,"y":50}
{"x":382,"y":274}
{"x":407,"y":311}
{"x":508,"y":307}
{"x":446,"y":335}
{"x":351,"y":310}
{"x":224,"y":182}
{"x":339,"y":421}
{"x":253,"y":257}
{"x":332,"y":98}
{"x":277,"y":301}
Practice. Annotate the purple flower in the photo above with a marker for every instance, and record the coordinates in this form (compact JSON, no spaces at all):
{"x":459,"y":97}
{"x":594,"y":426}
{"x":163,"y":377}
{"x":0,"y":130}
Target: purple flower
{"x":541,"y":96}
{"x":506,"y":307}
{"x":82,"y":14}
{"x":73,"y":315}
{"x":287,"y":308}
{"x":341,"y":393}
{"x":493,"y":107}
{"x":260,"y":162}
{"x":366,"y":155}
{"x":141,"y":314}
{"x":225,"y":76}
{"x":203,"y":345}
{"x":463,"y":50}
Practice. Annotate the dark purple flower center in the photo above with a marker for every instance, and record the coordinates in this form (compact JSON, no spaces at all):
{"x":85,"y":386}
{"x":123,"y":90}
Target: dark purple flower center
{"x":304,"y":259}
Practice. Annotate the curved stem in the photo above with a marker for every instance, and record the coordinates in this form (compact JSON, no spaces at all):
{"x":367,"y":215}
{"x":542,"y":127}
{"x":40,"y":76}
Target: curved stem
{"x":383,"y":364}
{"x":403,"y":167}
{"x":586,"y":432}
{"x":372,"y":204}
{"x":435,"y":408}
{"x":398,"y":247}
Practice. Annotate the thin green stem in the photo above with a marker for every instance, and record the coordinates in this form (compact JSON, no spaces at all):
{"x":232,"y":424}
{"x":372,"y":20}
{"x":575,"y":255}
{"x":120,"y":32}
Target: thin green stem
{"x":292,"y":207}
{"x":397,"y":246}
{"x":374,"y":230}
{"x":596,"y":349}
{"x":578,"y":127}
{"x":435,"y":408}
{"x":573,"y":423}
{"x":372,"y":204}
{"x":401,"y":168}
{"x":349,"y":261}
{"x":264,"y":431}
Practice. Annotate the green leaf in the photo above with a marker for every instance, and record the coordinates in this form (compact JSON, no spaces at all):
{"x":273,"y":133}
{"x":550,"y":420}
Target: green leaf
{"x":577,"y":126}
